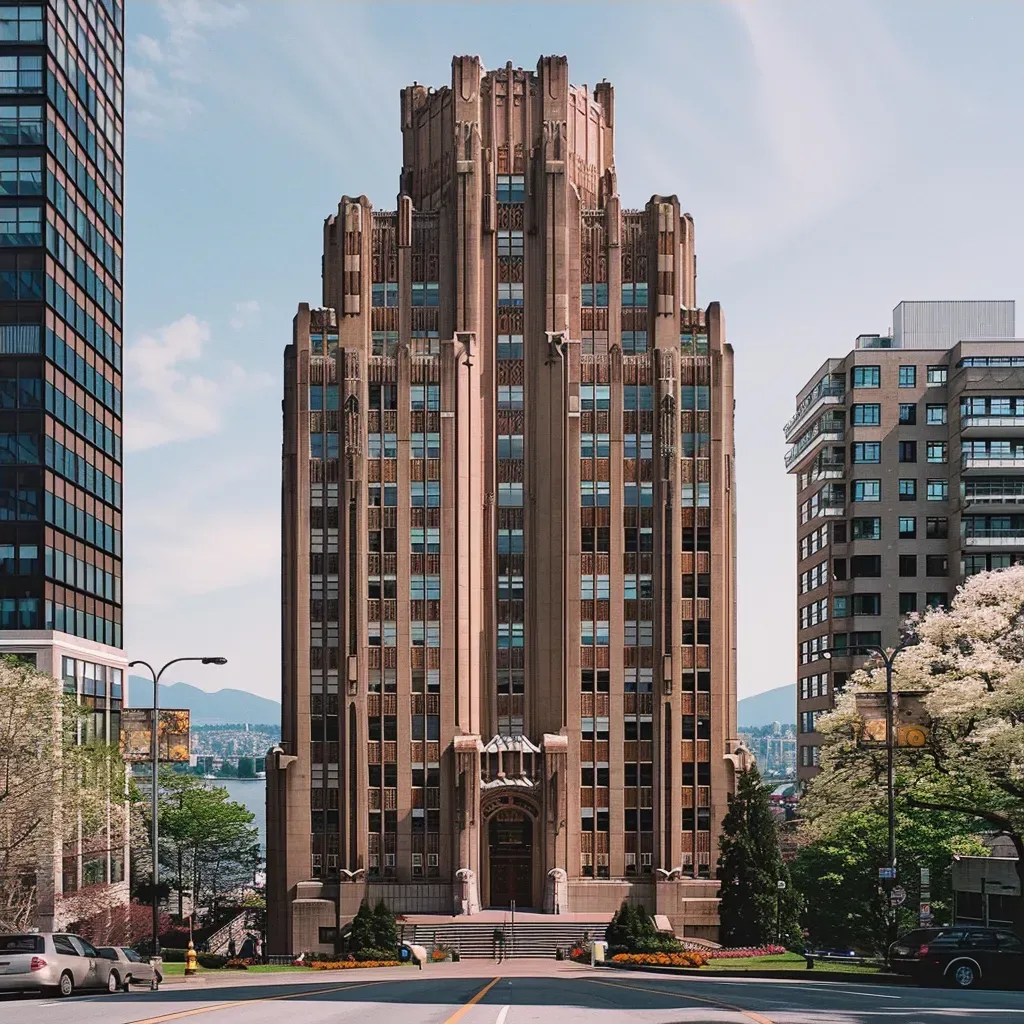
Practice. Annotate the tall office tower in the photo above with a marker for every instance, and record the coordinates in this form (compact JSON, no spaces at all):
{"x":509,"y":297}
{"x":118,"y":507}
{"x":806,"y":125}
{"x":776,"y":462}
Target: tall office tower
{"x":508,"y":521}
{"x":909,"y":459}
{"x":61,"y":117}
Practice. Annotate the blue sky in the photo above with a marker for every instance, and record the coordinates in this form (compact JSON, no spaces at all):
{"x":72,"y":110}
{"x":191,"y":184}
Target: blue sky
{"x":837,"y":158}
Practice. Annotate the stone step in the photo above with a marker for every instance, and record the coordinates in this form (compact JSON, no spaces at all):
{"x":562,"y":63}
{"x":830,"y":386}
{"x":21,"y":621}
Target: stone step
{"x":531,"y":939}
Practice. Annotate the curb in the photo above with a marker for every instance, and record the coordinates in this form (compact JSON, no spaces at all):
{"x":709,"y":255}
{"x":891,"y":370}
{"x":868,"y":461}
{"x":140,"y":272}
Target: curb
{"x":768,"y":974}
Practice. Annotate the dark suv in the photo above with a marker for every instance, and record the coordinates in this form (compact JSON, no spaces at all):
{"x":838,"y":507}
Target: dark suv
{"x":964,"y":956}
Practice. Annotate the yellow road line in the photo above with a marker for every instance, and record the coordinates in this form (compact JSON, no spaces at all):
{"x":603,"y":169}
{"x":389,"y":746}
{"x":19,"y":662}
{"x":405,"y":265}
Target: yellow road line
{"x":457,"y":1015}
{"x":752,"y":1014}
{"x":181,"y":1014}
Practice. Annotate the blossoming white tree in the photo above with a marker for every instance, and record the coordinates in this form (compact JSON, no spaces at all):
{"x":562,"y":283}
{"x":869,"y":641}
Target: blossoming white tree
{"x":970,"y":662}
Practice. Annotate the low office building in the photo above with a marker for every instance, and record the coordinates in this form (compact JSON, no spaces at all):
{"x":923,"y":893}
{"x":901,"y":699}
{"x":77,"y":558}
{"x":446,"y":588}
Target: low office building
{"x":908,"y":455}
{"x":508,"y":521}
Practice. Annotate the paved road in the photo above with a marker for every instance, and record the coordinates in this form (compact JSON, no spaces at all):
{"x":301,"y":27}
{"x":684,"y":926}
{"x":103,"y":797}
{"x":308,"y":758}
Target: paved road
{"x":520,"y":992}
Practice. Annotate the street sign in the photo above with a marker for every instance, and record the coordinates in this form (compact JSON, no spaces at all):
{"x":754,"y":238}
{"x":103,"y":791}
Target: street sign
{"x":889,"y":873}
{"x":781,"y":884}
{"x":898,"y":895}
{"x":926,"y":910}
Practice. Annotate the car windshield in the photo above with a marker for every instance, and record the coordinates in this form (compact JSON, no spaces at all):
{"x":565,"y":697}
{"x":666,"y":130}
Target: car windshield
{"x":131,"y":955}
{"x":107,"y":952}
{"x":21,"y":944}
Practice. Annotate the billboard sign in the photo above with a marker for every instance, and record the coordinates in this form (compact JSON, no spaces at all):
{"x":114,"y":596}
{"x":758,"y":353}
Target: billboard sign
{"x":172,"y":736}
{"x":911,"y":723}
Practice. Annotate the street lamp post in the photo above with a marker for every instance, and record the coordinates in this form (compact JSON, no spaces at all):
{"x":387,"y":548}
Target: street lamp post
{"x":155,"y":747}
{"x":888,"y":659}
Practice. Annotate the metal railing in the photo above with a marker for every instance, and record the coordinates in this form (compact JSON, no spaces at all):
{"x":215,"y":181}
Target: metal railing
{"x":824,"y":427}
{"x":828,"y":387}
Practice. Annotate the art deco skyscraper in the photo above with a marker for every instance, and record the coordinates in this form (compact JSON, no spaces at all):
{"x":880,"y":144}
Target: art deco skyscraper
{"x":508,"y":535}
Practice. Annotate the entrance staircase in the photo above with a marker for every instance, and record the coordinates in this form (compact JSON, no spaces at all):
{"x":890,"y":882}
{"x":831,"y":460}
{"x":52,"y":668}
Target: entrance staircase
{"x":533,"y":935}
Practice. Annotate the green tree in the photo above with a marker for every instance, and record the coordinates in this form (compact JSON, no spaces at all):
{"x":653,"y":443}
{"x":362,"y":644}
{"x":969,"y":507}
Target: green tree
{"x":362,"y":934}
{"x":839,"y":863}
{"x":55,"y":785}
{"x":968,"y":663}
{"x":752,"y":909}
{"x":246,"y":768}
{"x":210,"y":836}
{"x":385,"y":927}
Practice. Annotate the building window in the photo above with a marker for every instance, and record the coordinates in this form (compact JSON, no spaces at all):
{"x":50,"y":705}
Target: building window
{"x":510,"y":243}
{"x":21,"y":126}
{"x":510,"y":346}
{"x":21,"y":176}
{"x":510,"y":495}
{"x":595,"y":493}
{"x":510,"y":293}
{"x":867,"y":490}
{"x":936,"y":376}
{"x":867,"y":604}
{"x":510,"y":396}
{"x":510,"y":188}
{"x":384,"y":293}
{"x":634,"y":342}
{"x":908,"y":451}
{"x":21,"y":73}
{"x":936,"y":565}
{"x":867,"y":528}
{"x":936,"y":451}
{"x":866,"y":451}
{"x":866,"y":415}
{"x":908,"y":490}
{"x":426,"y":293}
{"x":908,"y":565}
{"x":426,"y":397}
{"x":839,"y":609}
{"x":935,"y":415}
{"x":908,"y":604}
{"x":936,"y":600}
{"x":21,"y":225}
{"x":908,"y":527}
{"x":634,"y":293}
{"x":938,"y":490}
{"x":936,"y":527}
{"x":908,"y":376}
{"x":594,"y":397}
{"x":21,"y":24}
{"x":866,"y":377}
{"x":865,"y":567}
{"x":594,"y":294}
{"x":908,"y":415}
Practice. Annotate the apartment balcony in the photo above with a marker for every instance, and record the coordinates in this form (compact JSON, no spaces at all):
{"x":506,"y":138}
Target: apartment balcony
{"x":986,"y":463}
{"x":829,"y":392}
{"x":825,"y":431}
{"x":996,"y":492}
{"x":1007,"y":426}
{"x":828,"y":469}
{"x":996,"y":539}
{"x":831,"y":508}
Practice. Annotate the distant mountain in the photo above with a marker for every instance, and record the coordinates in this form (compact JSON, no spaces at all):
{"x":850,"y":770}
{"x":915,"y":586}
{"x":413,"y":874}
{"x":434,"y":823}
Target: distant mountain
{"x":778,"y":705}
{"x":217,"y":708}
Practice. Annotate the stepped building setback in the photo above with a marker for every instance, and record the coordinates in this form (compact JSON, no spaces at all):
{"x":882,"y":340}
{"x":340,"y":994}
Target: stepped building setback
{"x":508,"y":670}
{"x":909,"y":458}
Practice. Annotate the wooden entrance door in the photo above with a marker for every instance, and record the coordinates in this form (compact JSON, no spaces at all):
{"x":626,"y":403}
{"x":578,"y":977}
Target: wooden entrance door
{"x":510,"y":848}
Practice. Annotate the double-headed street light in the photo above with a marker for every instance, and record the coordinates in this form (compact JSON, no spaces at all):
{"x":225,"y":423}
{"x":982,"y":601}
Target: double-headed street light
{"x":888,"y":659}
{"x":155,"y":769}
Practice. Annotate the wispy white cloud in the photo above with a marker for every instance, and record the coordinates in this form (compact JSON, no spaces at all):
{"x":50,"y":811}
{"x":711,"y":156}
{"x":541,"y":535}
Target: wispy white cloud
{"x":162,"y":73}
{"x":246,"y":314}
{"x":172,"y":394}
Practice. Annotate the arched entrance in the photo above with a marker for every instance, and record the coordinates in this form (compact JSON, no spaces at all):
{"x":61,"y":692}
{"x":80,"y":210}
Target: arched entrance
{"x":510,"y":858}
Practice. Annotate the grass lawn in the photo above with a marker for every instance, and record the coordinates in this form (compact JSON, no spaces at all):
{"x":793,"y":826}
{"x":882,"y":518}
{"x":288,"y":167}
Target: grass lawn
{"x":178,"y":970}
{"x":784,"y":962}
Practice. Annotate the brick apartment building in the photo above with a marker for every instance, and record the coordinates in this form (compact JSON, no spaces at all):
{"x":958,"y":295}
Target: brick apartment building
{"x":508,"y":535}
{"x":909,"y":459}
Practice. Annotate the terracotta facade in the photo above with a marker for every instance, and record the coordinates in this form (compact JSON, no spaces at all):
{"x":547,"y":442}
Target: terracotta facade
{"x":508,"y":579}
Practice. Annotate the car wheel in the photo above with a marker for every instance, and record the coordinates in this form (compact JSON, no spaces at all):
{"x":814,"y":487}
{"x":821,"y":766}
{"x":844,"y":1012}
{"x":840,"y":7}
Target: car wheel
{"x":66,"y":985}
{"x":126,"y":985}
{"x":113,"y":982}
{"x":964,"y":976}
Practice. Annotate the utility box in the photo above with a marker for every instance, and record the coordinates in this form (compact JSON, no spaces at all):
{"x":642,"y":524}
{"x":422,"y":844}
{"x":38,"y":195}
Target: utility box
{"x":600,"y":948}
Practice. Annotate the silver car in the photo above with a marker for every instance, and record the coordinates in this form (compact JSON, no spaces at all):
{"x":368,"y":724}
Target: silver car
{"x":54,"y":962}
{"x":132,"y":968}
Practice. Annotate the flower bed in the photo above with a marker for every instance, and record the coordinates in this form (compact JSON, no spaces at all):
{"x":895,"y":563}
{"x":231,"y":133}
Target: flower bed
{"x":341,"y":965}
{"x":747,"y":951}
{"x":661,"y":959}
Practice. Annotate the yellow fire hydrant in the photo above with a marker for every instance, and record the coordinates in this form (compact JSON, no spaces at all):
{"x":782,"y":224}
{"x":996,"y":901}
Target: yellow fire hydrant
{"x":191,"y":960}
